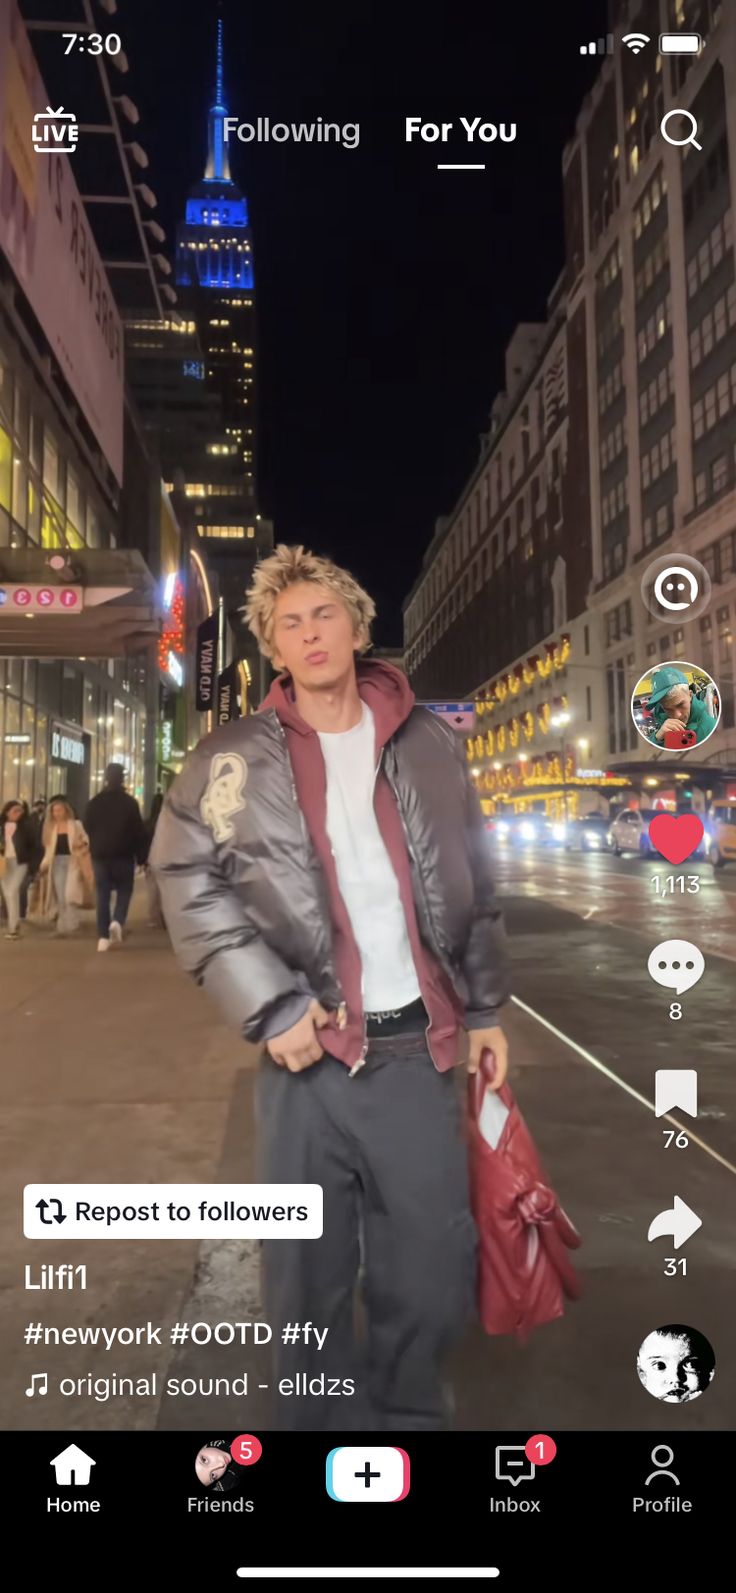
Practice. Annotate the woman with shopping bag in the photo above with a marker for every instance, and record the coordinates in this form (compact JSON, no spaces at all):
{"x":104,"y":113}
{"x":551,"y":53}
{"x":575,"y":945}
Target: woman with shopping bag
{"x":67,"y":879}
{"x":524,"y":1236}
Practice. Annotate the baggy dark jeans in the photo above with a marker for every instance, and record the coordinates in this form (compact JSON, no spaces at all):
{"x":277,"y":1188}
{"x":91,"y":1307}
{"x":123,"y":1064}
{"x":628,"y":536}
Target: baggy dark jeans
{"x":387,"y":1148}
{"x":116,"y":875}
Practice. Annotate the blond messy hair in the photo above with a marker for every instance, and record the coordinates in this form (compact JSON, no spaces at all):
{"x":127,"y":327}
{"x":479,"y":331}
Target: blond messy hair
{"x":283,"y":568}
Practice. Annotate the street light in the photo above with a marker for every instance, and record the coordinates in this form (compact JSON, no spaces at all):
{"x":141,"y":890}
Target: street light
{"x":558,"y":721}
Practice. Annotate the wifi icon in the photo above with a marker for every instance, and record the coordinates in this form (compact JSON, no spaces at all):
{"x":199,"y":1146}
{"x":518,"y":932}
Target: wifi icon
{"x":635,"y":41}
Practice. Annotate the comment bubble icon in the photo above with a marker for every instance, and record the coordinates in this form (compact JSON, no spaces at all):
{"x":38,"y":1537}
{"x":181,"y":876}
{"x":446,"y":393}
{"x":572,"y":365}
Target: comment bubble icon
{"x":676,"y":964}
{"x":512,"y":1464}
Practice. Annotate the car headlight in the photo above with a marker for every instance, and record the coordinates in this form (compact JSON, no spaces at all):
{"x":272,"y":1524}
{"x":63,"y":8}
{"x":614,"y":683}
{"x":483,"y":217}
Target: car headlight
{"x":559,"y":831}
{"x":527,"y":832}
{"x":502,"y":828}
{"x":593,"y":840}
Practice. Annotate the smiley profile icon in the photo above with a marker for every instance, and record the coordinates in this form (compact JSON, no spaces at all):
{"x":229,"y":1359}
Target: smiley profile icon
{"x":671,"y":586}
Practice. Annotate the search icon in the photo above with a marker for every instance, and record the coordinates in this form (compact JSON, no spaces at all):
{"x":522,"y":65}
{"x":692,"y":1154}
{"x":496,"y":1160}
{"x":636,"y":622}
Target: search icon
{"x":691,"y":139}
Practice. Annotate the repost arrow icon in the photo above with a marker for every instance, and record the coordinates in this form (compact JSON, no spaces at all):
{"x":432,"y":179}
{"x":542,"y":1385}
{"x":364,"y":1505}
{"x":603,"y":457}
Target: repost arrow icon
{"x":43,"y":1205}
{"x":681,"y":1222}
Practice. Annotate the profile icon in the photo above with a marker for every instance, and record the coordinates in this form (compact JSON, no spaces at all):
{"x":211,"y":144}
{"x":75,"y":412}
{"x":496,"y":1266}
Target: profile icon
{"x":662,"y":1458}
{"x":214,"y":1466}
{"x":676,"y":706}
{"x":675,"y":1364}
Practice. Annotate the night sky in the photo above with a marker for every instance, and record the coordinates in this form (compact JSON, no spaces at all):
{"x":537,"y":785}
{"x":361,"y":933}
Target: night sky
{"x":386,"y":290}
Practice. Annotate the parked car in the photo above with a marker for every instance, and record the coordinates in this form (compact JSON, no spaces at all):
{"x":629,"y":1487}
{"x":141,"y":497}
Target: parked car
{"x":586,"y":834}
{"x":721,"y":830}
{"x":629,"y":832}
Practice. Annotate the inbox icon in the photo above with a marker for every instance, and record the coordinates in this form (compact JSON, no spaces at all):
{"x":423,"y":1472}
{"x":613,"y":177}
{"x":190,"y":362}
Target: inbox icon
{"x":513,"y":1465}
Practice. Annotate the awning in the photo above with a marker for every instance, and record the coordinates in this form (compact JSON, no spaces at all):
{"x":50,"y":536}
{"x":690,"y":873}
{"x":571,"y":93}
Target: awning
{"x":100,"y":604}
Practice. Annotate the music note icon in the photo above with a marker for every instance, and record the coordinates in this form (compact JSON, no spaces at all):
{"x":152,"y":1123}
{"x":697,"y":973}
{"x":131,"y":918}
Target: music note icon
{"x":38,"y":1377}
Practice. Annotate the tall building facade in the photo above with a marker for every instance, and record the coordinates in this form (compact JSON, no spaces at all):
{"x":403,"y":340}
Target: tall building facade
{"x":497,"y":613}
{"x":651,"y":262}
{"x":214,"y":273}
{"x":544,"y":555}
{"x":215,"y":284}
{"x":85,"y":540}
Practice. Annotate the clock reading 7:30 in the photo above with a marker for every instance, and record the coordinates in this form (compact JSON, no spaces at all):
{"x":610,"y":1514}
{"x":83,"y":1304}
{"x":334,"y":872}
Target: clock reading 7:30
{"x":93,"y":43}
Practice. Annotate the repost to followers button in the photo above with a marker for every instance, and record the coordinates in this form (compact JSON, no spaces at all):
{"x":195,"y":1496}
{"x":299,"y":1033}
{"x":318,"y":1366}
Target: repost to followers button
{"x":172,"y":1211}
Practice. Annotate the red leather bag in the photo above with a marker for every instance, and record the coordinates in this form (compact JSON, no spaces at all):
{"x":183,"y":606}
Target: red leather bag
{"x":524,"y":1269}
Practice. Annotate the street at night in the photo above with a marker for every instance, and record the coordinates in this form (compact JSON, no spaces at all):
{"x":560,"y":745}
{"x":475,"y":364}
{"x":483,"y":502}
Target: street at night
{"x":130,"y":1080}
{"x":367,"y":774}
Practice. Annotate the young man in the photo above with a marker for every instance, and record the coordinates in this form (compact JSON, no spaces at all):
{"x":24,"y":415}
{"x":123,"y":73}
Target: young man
{"x":117,"y":839}
{"x":324,"y":873}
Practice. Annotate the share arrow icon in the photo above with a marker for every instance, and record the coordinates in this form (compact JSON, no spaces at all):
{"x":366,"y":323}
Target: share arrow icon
{"x":681,"y":1222}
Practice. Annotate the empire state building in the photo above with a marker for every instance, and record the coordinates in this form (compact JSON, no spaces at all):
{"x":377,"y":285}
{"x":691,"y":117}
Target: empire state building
{"x":214,"y":274}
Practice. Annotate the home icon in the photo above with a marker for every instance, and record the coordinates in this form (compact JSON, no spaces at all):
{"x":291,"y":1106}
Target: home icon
{"x":73,"y":1466}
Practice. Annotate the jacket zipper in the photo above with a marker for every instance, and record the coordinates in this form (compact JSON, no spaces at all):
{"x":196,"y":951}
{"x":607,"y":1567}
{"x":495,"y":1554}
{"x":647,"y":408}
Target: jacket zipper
{"x":425,"y":904}
{"x":342,"y":1009}
{"x":364,"y":1051}
{"x":417,"y":872}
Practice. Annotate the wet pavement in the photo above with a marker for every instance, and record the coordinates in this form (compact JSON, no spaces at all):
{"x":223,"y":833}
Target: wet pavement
{"x":115,"y":1068}
{"x":581,"y":930}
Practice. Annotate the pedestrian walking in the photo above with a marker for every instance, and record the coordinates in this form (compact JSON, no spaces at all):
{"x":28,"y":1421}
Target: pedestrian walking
{"x":155,"y":913}
{"x":30,"y":893}
{"x":118,"y":840}
{"x":17,"y":852}
{"x":66,"y":869}
{"x":325,"y":873}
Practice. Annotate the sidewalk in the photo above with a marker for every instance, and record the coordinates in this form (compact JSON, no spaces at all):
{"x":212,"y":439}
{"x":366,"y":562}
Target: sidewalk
{"x":114,"y":1068}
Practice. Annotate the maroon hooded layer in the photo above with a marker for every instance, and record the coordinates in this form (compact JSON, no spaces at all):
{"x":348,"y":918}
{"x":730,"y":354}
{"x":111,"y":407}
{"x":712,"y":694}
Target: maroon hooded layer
{"x":386,"y":691}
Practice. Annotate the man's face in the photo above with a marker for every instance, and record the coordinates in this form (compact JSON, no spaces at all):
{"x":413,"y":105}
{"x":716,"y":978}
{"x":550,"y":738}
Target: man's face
{"x":210,"y":1464}
{"x":671,"y":1370}
{"x":313,"y":636}
{"x":681,"y":708}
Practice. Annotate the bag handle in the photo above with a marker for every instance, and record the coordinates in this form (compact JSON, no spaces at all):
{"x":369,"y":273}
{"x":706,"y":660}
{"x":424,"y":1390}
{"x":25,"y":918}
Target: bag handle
{"x":478,"y":1082}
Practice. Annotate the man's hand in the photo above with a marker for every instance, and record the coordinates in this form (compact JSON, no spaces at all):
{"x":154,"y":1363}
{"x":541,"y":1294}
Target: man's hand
{"x":494,"y":1040}
{"x":299,"y":1047}
{"x":669,"y":724}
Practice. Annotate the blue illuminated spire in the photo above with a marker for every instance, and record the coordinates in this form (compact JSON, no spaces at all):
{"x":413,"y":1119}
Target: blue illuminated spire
{"x":218,"y":164}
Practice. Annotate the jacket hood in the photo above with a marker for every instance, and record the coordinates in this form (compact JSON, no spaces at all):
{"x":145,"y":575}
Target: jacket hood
{"x":384,"y":688}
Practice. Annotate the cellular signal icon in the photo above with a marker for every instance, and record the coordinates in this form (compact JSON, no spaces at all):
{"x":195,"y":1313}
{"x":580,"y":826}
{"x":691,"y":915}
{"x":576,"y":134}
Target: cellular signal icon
{"x":635,"y":41}
{"x":603,"y":47}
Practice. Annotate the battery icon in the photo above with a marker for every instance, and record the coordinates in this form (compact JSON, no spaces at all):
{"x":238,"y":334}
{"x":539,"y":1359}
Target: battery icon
{"x":680,"y":44}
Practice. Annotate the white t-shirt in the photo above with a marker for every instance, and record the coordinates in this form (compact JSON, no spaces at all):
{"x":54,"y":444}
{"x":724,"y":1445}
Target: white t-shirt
{"x":365,"y":873}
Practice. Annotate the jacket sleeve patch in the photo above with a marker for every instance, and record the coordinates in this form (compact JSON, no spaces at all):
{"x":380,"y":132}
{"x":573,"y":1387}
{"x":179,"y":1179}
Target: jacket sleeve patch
{"x":224,"y":794}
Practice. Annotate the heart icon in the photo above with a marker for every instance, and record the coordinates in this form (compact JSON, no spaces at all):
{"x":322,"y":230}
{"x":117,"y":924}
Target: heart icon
{"x":676,"y":837}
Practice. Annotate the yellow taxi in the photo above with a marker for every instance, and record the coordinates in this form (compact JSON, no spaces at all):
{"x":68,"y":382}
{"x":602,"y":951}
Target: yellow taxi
{"x":722,"y":830}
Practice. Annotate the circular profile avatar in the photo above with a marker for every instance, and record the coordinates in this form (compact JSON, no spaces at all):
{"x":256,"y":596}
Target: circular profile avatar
{"x":676,"y":706}
{"x":675,"y":1364}
{"x":215,"y":1468}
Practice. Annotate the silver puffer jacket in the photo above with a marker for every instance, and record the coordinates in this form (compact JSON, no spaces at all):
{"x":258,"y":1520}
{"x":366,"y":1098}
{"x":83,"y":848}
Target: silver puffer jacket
{"x":245,"y":896}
